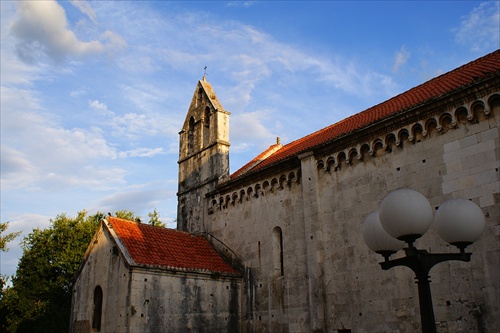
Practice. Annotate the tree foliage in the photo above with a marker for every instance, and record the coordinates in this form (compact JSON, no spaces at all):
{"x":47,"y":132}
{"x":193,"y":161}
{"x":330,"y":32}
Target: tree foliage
{"x":154,"y":219}
{"x":40,"y":297}
{"x":126,"y":215}
{"x":4,"y":239}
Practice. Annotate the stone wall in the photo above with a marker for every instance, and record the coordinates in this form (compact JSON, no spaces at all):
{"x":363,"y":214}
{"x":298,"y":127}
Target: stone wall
{"x":330,"y":280}
{"x":183,"y":302}
{"x":136,"y":299}
{"x":104,"y":267}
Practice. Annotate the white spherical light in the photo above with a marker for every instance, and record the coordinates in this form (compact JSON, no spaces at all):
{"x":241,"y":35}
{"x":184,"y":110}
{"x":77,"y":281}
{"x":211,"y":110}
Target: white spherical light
{"x":459,"y":222}
{"x":405,"y":214}
{"x":377,"y":238}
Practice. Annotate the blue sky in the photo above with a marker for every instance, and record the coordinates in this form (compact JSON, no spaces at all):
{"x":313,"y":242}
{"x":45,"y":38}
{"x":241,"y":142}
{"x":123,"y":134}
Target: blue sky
{"x":94,"y":93}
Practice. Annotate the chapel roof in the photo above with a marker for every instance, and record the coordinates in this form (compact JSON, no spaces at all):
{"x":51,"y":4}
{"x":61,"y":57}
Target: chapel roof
{"x":459,"y":78}
{"x":157,"y":247}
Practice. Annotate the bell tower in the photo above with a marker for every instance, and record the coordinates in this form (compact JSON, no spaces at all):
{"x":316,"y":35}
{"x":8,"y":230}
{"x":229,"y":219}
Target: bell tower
{"x":203,"y":156}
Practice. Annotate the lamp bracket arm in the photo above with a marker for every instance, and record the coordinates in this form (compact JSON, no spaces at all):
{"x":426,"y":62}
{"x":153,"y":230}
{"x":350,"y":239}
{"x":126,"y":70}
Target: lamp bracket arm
{"x":421,"y":262}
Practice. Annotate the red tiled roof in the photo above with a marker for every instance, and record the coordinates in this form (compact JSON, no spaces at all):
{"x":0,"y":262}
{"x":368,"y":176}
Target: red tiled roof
{"x":461,"y":77}
{"x":167,"y":248}
{"x":261,"y":157}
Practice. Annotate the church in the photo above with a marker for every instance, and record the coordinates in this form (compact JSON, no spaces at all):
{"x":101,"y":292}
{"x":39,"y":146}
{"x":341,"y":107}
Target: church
{"x":277,"y":245}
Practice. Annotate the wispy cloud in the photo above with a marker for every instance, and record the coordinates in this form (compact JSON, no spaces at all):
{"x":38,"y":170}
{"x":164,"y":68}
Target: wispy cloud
{"x":254,"y":124}
{"x":242,"y":53}
{"x":142,"y":152}
{"x":44,"y":150}
{"x":480,"y":29}
{"x":400,"y":59}
{"x":85,"y":8}
{"x":240,"y":3}
{"x":135,"y":199}
{"x":353,"y":79}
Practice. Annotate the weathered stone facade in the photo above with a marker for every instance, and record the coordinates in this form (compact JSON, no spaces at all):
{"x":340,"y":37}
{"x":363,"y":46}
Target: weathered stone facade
{"x":296,"y":225}
{"x":203,"y":155}
{"x":138,"y":298}
{"x":290,"y":222}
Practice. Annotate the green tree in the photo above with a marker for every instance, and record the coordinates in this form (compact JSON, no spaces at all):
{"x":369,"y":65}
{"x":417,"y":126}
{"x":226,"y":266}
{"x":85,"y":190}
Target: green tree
{"x":154,"y":219}
{"x":126,"y":215}
{"x":40,"y":297}
{"x":4,"y":239}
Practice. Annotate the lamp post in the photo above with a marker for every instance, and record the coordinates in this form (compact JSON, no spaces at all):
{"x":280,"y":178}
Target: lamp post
{"x":404,"y":216}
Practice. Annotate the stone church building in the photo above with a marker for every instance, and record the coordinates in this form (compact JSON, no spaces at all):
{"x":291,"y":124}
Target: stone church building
{"x":276,"y":246}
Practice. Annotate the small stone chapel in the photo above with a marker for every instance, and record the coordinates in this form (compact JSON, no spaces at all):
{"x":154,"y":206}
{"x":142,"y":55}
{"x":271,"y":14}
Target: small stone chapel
{"x":276,"y":246}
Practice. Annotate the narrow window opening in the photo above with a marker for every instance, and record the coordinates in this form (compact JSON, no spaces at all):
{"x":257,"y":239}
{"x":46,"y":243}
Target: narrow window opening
{"x":200,"y":96}
{"x":259,"y":250}
{"x":191,"y":136}
{"x":207,"y":117}
{"x":96,"y":318}
{"x":278,"y":251}
{"x":206,"y":127}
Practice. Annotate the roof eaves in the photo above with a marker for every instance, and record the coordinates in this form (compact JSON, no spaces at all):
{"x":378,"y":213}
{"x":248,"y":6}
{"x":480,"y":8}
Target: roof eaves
{"x":121,"y":246}
{"x":189,"y":270}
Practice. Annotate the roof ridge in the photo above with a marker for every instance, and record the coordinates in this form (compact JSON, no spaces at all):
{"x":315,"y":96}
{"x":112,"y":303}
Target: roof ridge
{"x":209,"y":91}
{"x":445,"y":83}
{"x":258,"y":159}
{"x":147,"y":225}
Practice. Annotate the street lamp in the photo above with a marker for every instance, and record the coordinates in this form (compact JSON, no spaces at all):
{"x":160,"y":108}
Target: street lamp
{"x":405,"y":215}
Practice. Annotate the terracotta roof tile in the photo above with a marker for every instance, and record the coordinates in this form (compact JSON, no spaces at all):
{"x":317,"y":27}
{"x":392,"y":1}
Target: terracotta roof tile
{"x":461,"y":77}
{"x":261,"y":157}
{"x":167,"y":248}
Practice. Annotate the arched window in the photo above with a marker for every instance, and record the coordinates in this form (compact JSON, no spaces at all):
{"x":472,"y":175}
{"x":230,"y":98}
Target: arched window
{"x":191,"y":136}
{"x":278,"y":252}
{"x":96,"y":317}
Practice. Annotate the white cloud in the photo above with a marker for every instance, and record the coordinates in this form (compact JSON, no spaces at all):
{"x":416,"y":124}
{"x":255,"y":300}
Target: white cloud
{"x":145,"y":96}
{"x":142,"y":152}
{"x":251,"y":127}
{"x":480,"y":30}
{"x":134,"y":199}
{"x":133,"y":126}
{"x":16,"y":170}
{"x":353,"y":79}
{"x":43,"y":150}
{"x":41,"y":27}
{"x":401,"y":58}
{"x":100,"y":107}
{"x":91,"y":177}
